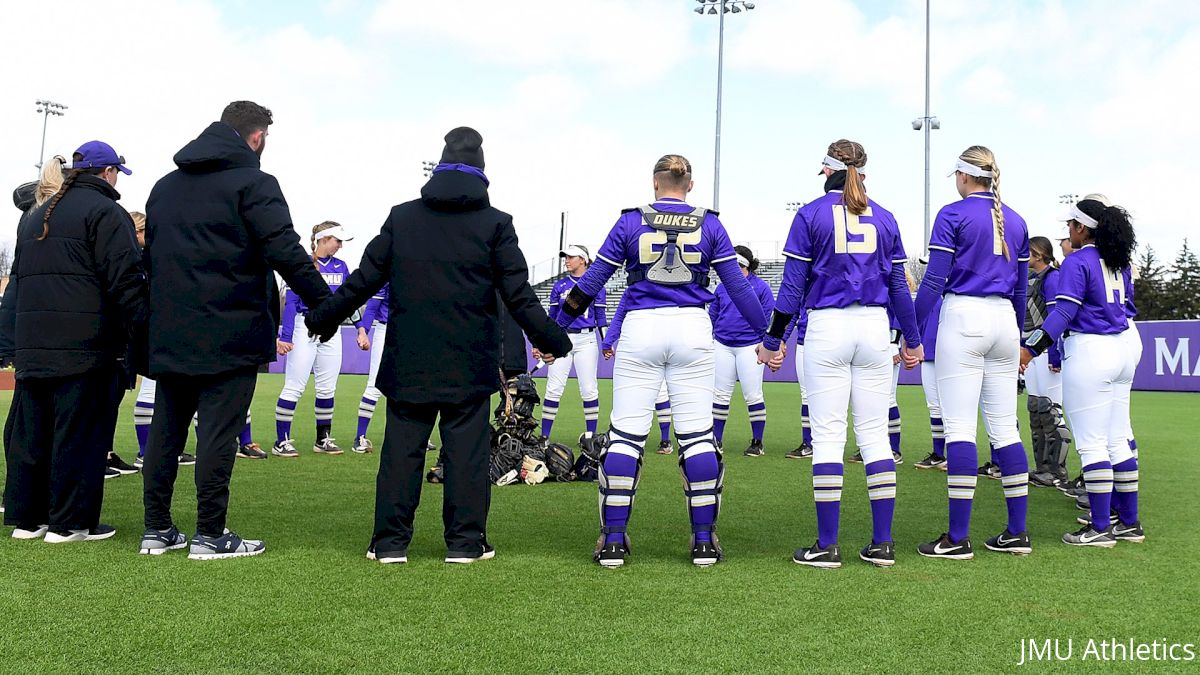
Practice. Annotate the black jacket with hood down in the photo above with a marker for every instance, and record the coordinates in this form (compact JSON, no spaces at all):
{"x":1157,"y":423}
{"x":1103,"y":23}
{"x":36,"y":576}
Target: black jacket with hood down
{"x":77,"y":296}
{"x":447,"y":256}
{"x":215,"y":229}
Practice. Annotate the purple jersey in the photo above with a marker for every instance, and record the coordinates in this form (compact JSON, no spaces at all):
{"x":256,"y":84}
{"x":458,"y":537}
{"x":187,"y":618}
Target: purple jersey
{"x":730,"y":328}
{"x":1100,"y":293}
{"x":634,"y":245}
{"x":334,"y":272}
{"x":851,"y":255}
{"x":1130,"y":308}
{"x":594,"y":317}
{"x":965,"y":230}
{"x":377,"y":309}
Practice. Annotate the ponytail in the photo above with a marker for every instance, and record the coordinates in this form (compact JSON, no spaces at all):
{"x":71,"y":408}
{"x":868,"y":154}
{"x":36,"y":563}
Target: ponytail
{"x":58,"y":195}
{"x":979,"y":156}
{"x":1113,"y":235}
{"x":50,"y":180}
{"x":854,"y":193}
{"x":998,"y":211}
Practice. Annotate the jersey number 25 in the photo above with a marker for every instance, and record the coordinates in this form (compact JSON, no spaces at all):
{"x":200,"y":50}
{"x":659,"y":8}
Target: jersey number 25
{"x":846,"y":224}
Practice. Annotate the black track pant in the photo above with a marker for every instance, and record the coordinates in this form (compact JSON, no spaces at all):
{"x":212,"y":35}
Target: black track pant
{"x":57,"y":438}
{"x":221,"y":401}
{"x":465,"y":436}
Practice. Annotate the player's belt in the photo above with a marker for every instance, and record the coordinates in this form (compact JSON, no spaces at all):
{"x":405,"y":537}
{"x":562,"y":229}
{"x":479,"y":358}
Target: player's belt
{"x":576,"y":331}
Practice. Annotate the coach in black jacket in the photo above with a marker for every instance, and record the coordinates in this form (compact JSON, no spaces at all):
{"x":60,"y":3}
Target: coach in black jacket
{"x":77,"y":293}
{"x":215,"y":229}
{"x":446,"y":255}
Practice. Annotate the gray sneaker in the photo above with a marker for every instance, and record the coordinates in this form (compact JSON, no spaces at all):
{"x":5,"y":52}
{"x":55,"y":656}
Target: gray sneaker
{"x":228,"y":545}
{"x":1088,"y":536}
{"x":158,"y":542}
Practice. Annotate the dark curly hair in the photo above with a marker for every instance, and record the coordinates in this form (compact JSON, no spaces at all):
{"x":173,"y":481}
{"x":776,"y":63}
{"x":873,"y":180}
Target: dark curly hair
{"x":748,"y":255}
{"x":1114,"y":236}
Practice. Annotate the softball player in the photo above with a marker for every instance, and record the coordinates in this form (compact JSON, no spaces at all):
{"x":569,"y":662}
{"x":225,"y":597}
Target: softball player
{"x":662,"y":405}
{"x":310,"y":355}
{"x":667,"y":248}
{"x":736,"y":344}
{"x":1098,"y":366}
{"x":893,"y":406}
{"x":978,"y":259}
{"x":937,"y":456}
{"x":375,"y":319}
{"x":845,"y":263}
{"x":1133,"y":345}
{"x":586,"y":352}
{"x":1043,"y":378}
{"x":799,"y":324}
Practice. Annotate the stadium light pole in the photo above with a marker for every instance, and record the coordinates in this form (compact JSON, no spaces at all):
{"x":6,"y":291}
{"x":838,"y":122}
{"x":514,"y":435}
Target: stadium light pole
{"x":46,"y":108}
{"x":720,"y":8}
{"x":928,"y":124}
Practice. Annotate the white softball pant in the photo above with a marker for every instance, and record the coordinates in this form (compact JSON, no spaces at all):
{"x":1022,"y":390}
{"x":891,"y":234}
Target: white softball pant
{"x":310,"y":355}
{"x":733,"y":365}
{"x":929,"y":384}
{"x":800,"y":373}
{"x":1041,"y":381}
{"x":1097,"y":377}
{"x":848,"y":363}
{"x":147,"y":391}
{"x":977,"y":359}
{"x":1132,"y":340}
{"x":377,"y":338}
{"x":666,"y":343}
{"x":585,"y":355}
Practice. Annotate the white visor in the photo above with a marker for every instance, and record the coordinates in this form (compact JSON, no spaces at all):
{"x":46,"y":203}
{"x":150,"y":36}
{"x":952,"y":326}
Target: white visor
{"x":338,"y":233}
{"x":970,"y":169}
{"x":575,"y":250}
{"x":742,"y":261}
{"x":835,"y":164}
{"x":1079,"y":216}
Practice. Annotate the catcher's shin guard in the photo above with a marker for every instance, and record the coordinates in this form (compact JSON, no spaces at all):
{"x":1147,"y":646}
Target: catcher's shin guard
{"x":620,"y":470}
{"x":1039,"y":415}
{"x":703,"y":472}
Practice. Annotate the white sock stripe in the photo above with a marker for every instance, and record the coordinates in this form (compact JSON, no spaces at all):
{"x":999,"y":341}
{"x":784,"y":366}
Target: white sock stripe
{"x":591,"y":416}
{"x":1126,"y":487}
{"x":720,"y":415}
{"x":1014,"y":480}
{"x":1125,"y":476}
{"x":957,"y":481}
{"x":882,"y":493}
{"x":620,"y":482}
{"x":1017,"y":491}
{"x":884,"y":478}
{"x":827,"y":481}
{"x":1098,"y":474}
{"x":962,"y":493}
{"x":616,"y":500}
{"x":1099,"y":487}
{"x":549,"y":414}
{"x":702,"y":500}
{"x":758,"y":418}
{"x":827,"y":495}
{"x":703,"y":485}
{"x":284,"y":415}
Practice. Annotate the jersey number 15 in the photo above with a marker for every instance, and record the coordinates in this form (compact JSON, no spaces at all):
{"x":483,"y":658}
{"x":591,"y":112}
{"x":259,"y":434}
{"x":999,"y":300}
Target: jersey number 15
{"x":846,"y":224}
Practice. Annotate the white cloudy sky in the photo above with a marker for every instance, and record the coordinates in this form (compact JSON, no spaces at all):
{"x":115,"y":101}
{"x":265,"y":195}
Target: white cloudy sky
{"x":576,"y":100}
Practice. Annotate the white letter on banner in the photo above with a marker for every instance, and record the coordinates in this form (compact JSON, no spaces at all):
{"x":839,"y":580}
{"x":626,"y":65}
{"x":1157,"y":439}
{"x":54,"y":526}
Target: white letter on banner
{"x":1174,"y":360}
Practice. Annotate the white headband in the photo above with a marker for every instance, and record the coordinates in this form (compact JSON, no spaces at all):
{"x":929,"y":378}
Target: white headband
{"x":835,"y":164}
{"x":970,"y":169}
{"x":742,"y":261}
{"x":1081,"y":217}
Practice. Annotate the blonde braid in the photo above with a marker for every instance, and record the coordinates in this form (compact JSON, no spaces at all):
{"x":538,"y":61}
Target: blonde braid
{"x":984,"y":159}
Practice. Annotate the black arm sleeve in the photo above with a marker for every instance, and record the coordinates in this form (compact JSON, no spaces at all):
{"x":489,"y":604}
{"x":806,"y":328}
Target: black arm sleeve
{"x":266,"y":215}
{"x":510,"y":276}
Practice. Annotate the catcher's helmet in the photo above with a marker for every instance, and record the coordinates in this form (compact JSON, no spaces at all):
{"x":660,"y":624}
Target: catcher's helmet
{"x":560,"y":461}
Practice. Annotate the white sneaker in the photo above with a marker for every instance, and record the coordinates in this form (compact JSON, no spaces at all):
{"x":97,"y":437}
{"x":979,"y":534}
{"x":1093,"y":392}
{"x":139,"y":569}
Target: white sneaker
{"x":362,"y":445}
{"x":284,"y":448}
{"x":95,"y":534}
{"x":462,"y":558}
{"x":326,"y":446}
{"x":37,"y":533}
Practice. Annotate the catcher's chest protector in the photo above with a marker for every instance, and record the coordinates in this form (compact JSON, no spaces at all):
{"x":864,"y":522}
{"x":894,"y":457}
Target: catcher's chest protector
{"x":669,"y":269}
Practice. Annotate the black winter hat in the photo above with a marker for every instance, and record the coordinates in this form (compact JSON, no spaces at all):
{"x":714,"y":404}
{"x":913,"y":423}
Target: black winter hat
{"x":23,"y":195}
{"x":464,"y":145}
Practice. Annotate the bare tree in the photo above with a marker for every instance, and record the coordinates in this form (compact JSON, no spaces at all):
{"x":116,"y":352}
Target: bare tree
{"x":6,"y":259}
{"x":916,"y":269}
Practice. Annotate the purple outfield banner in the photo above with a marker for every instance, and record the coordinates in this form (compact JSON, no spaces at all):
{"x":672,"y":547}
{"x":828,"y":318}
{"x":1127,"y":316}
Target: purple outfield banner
{"x":1170,"y":359}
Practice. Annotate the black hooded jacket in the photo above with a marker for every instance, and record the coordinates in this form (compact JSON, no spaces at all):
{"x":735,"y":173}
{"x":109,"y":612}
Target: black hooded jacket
{"x":76,"y":297}
{"x":216,"y":227}
{"x":447,"y":256}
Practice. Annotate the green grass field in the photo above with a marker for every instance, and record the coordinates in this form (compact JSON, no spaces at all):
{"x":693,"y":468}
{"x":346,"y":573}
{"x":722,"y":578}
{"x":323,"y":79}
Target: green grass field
{"x":313,"y":603}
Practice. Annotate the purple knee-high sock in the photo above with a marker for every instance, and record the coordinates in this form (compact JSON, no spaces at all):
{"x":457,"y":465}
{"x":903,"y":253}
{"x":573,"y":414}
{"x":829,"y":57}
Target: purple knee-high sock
{"x":881,"y":489}
{"x":827,"y":493}
{"x":1125,"y":490}
{"x":1014,"y":475}
{"x":616,"y":484}
{"x":549,"y":412}
{"x":700,"y":468}
{"x":894,"y":429}
{"x":663,"y":408}
{"x":720,"y":415}
{"x":246,"y":437}
{"x":961,"y":475}
{"x":143,"y":415}
{"x":366,"y":410}
{"x":591,"y":415}
{"x":758,"y":420}
{"x":805,"y":427}
{"x":284,"y":412}
{"x":1098,"y":478}
{"x":938,"y":429}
